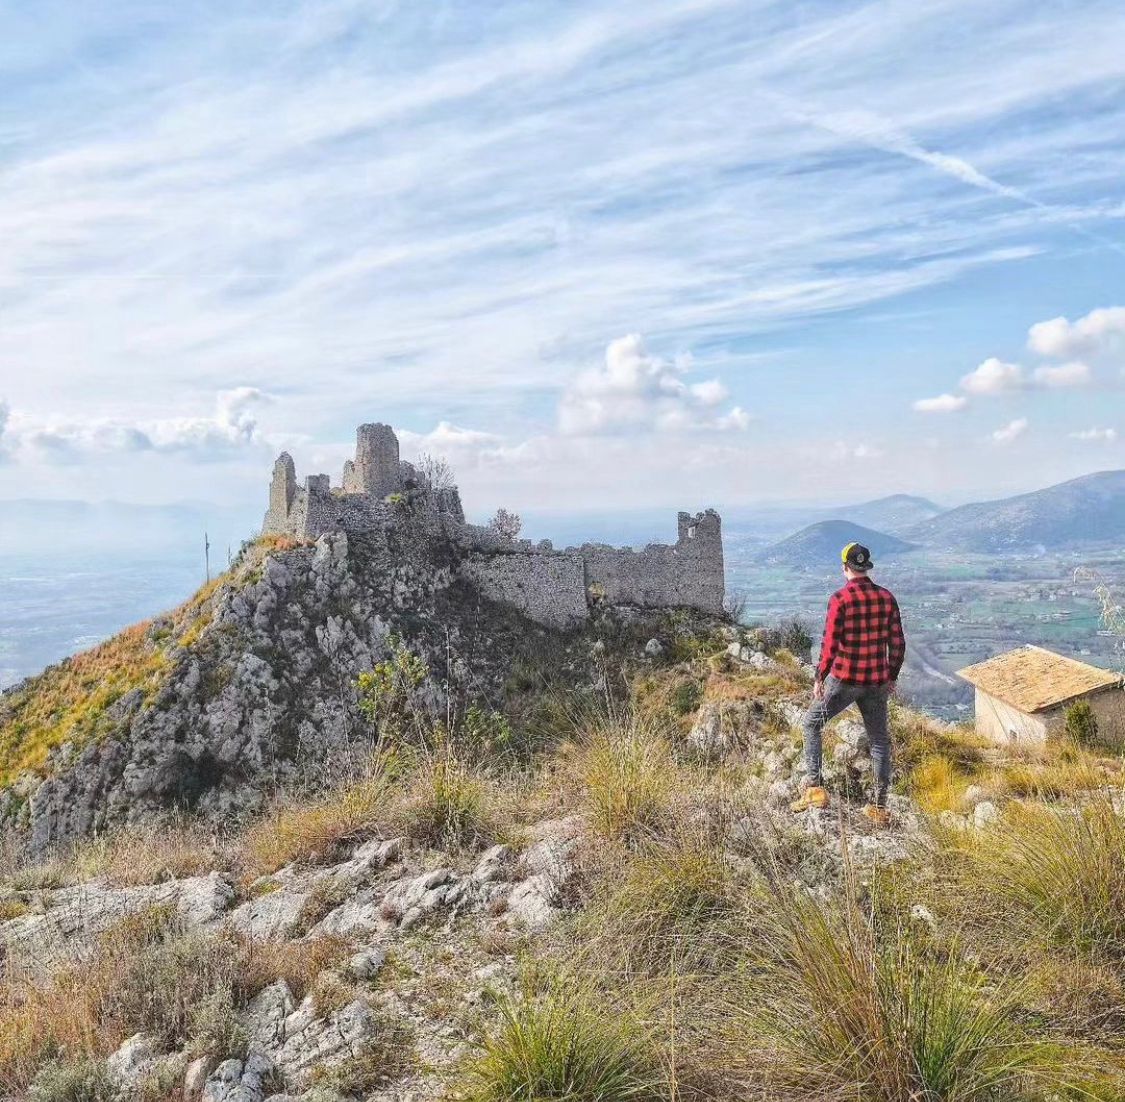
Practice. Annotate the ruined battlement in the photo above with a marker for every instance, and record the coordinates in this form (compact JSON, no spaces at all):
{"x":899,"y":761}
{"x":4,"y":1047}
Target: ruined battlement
{"x":557,"y":587}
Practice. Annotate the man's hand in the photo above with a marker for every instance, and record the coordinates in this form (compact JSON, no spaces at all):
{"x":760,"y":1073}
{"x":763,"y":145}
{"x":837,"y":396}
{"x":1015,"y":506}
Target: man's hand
{"x":892,"y":688}
{"x":818,"y":689}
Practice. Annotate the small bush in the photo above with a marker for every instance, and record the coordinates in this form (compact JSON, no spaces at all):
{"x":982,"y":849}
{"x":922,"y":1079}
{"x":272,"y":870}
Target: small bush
{"x":563,"y":1047}
{"x":791,"y":635}
{"x":686,"y":697}
{"x":1081,"y":723}
{"x":82,"y":1081}
{"x":388,"y":695}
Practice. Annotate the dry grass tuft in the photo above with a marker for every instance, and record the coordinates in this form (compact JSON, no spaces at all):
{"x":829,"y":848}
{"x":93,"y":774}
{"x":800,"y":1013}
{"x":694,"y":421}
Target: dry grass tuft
{"x":148,"y":973}
{"x":563,"y":1046}
{"x":630,"y":778}
{"x":827,"y":1009}
{"x":1054,"y":873}
{"x":675,"y":905}
{"x":312,"y":831}
{"x":450,"y":805}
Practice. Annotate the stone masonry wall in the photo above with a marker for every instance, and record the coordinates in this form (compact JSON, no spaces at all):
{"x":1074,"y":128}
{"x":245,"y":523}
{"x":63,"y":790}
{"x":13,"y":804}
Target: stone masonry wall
{"x":689,"y":572}
{"x":549,"y":588}
{"x":553,"y":587}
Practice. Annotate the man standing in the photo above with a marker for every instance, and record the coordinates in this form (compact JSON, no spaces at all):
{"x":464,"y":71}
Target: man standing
{"x":860,"y":659}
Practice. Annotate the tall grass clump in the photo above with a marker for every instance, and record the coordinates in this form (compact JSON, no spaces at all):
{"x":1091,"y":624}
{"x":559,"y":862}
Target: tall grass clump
{"x":564,"y":1047}
{"x":84,"y":1080}
{"x":449,"y":805}
{"x":828,"y":1009}
{"x":674,"y":906}
{"x":1052,"y":872}
{"x":630,"y":777}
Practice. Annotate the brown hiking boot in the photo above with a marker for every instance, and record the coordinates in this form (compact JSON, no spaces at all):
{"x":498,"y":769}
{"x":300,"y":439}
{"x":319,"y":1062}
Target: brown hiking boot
{"x":878,"y":816}
{"x":812,"y":797}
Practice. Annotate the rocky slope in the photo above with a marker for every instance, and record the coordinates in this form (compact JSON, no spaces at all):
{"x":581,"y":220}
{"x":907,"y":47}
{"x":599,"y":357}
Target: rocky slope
{"x":459,"y":923}
{"x":251,"y":685}
{"x":421,"y":935}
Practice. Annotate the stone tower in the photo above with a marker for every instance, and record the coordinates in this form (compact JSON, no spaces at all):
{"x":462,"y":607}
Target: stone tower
{"x":376,"y":468}
{"x":283,"y":488}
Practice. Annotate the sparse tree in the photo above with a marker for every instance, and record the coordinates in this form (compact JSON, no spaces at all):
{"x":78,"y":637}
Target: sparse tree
{"x":437,"y":471}
{"x":506,"y":524}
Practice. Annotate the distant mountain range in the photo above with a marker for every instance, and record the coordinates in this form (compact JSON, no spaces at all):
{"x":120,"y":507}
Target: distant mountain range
{"x":1085,"y":510}
{"x":821,"y":543}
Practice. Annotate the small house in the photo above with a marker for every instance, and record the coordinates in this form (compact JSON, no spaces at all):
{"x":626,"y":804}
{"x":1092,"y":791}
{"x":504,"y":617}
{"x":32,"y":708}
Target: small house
{"x":1023,"y":695}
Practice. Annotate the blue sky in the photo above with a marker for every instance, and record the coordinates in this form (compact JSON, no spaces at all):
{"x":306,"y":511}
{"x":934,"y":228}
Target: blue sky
{"x":673,"y":252}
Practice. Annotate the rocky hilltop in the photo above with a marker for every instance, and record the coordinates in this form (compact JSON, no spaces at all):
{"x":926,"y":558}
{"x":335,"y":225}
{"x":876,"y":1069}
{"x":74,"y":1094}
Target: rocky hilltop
{"x":399,"y":810}
{"x":252,"y":684}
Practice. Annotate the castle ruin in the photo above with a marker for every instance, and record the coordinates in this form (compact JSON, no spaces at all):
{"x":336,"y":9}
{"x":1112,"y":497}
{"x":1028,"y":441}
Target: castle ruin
{"x":556,"y":587}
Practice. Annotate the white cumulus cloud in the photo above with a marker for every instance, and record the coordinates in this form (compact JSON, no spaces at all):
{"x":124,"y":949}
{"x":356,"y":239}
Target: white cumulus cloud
{"x":232,"y":427}
{"x":1099,"y":332}
{"x":635,"y":391}
{"x":943,"y":403}
{"x":1013,"y":430}
{"x":1095,"y":435}
{"x":993,"y":376}
{"x":1070,"y":374}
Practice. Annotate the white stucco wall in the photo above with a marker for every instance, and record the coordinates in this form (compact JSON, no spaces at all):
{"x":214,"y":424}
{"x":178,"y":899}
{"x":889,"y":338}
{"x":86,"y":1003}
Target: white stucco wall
{"x":1001,"y":722}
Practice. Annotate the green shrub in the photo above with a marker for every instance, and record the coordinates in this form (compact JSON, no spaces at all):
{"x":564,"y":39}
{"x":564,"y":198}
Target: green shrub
{"x":1082,"y":723}
{"x":562,"y":1047}
{"x":388,"y":694}
{"x":485,"y":731}
{"x":686,"y":697}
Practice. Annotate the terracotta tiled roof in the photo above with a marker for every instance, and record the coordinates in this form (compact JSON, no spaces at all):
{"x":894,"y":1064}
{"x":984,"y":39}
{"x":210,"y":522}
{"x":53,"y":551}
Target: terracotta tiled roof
{"x":1033,"y":679}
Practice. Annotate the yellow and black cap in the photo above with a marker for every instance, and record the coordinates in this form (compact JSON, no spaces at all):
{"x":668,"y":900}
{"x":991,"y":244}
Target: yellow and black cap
{"x":857,"y":557}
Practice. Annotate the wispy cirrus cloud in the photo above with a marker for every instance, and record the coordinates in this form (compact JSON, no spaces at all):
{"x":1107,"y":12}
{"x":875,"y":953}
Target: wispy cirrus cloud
{"x":360,"y":207}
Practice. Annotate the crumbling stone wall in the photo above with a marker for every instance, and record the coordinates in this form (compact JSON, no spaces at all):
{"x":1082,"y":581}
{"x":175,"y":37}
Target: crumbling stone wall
{"x":554,"y":587}
{"x":689,"y":572}
{"x":549,"y":588}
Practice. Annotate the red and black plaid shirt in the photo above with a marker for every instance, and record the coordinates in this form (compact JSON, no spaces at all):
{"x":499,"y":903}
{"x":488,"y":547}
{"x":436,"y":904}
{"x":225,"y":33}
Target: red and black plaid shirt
{"x":863,"y":640}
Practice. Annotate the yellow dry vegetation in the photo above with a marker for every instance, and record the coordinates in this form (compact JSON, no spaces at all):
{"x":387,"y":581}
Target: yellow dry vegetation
{"x":70,"y":702}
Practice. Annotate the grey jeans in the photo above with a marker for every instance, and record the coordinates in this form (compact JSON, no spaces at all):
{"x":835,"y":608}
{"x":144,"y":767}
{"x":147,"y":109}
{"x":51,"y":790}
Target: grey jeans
{"x":872,"y":703}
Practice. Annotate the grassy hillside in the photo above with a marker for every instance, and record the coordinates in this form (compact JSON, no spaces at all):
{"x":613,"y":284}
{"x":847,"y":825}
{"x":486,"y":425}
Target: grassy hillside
{"x":701,"y":943}
{"x":83,"y":697}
